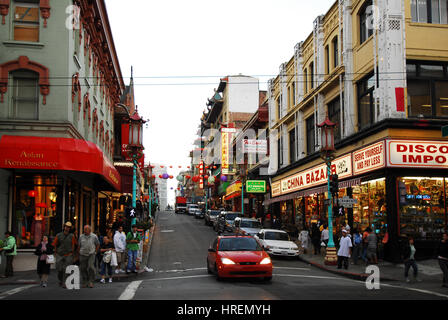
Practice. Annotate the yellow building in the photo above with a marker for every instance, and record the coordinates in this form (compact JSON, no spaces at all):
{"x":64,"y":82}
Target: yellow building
{"x":379,"y":70}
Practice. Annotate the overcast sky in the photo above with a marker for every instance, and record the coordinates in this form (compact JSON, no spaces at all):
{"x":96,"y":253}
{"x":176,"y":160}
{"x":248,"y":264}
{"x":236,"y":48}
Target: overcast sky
{"x":180,"y":49}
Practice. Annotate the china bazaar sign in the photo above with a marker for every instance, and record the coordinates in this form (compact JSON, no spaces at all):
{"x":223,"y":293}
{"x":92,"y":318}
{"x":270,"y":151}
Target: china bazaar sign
{"x":318,"y":175}
{"x":407,"y":153}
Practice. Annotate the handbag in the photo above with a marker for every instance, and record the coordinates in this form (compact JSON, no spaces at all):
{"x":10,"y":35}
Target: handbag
{"x":114,"y":260}
{"x":50,"y":259}
{"x":322,"y":244}
{"x":107,"y":257}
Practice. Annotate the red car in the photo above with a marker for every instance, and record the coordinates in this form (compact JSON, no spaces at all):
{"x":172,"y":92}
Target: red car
{"x":238,"y":256}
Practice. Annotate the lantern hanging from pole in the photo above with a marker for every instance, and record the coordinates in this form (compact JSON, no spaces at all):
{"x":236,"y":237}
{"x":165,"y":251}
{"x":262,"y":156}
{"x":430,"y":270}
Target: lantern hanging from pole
{"x":165,"y":176}
{"x":136,"y":130}
{"x":171,"y":177}
{"x":327,"y":135}
{"x":31,"y":193}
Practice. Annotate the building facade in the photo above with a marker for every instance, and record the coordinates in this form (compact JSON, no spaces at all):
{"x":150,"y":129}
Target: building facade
{"x":379,"y":71}
{"x":59,"y":81}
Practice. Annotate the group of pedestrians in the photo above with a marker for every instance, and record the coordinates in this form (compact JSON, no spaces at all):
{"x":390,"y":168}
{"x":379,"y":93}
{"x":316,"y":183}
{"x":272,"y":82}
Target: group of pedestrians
{"x":68,"y":250}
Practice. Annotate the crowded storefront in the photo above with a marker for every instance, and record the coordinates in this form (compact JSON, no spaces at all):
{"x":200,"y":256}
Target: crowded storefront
{"x":399,"y":187}
{"x":52,"y":181}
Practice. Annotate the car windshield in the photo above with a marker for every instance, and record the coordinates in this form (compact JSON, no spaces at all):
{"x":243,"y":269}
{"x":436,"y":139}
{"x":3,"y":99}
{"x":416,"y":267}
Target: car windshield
{"x":193,"y":206}
{"x":214,"y":212}
{"x":282,"y":236}
{"x":232,"y":216}
{"x":239,"y":244}
{"x":250,"y":224}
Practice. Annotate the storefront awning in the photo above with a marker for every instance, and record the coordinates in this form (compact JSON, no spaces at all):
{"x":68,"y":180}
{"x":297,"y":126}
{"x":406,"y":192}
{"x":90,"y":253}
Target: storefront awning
{"x":41,"y":153}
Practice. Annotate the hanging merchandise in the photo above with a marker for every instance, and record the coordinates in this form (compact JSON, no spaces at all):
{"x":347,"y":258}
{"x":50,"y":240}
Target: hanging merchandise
{"x":180,"y":178}
{"x":224,"y":178}
{"x":165,"y":176}
{"x":211,"y":180}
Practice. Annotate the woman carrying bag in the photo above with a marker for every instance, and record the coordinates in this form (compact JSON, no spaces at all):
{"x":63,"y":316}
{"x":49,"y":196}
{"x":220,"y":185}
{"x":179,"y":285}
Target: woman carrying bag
{"x":45,"y":252}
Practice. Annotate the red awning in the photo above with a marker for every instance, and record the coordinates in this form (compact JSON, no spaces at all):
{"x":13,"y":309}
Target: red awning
{"x":40,"y":153}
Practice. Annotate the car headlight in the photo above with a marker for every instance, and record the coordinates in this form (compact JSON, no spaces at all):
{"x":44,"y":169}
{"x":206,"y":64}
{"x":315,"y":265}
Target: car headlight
{"x":227,"y":261}
{"x":266,"y":261}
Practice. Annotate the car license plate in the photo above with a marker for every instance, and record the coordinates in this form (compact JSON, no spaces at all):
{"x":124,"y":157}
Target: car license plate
{"x":284,"y":252}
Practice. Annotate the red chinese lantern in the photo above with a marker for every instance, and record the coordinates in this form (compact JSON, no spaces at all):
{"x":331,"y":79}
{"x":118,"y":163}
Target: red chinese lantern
{"x":153,"y":176}
{"x":206,"y":177}
{"x":31,"y":193}
{"x":171,"y":177}
{"x":187,"y":176}
{"x":171,"y":166}
{"x":160,"y":176}
{"x":180,"y":167}
{"x":188,"y":167}
{"x":161,"y":166}
{"x":214,"y":167}
{"x":195,"y":179}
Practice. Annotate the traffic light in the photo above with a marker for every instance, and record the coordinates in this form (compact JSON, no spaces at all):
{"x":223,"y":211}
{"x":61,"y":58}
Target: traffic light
{"x":334,"y":184}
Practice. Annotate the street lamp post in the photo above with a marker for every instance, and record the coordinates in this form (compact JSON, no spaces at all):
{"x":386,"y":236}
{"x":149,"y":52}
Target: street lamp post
{"x":135,"y":151}
{"x":327,"y":150}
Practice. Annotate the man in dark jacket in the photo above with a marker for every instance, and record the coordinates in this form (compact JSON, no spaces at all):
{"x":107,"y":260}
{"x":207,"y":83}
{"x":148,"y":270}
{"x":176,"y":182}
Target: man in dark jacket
{"x":443,"y":258}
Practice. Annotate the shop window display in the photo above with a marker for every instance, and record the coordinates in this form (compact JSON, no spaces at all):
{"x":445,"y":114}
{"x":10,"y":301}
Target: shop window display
{"x":422,"y":207}
{"x":370,"y":211}
{"x":36,"y":207}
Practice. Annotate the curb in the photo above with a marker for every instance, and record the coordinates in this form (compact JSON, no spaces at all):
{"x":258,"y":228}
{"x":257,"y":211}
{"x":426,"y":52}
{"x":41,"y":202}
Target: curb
{"x":351,"y":275}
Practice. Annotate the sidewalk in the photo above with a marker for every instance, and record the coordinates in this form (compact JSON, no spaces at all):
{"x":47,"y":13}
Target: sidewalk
{"x":31,"y":277}
{"x":429,"y":270}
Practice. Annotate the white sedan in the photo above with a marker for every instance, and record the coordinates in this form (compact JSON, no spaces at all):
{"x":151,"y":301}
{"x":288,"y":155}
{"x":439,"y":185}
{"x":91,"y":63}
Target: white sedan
{"x":277,"y":242}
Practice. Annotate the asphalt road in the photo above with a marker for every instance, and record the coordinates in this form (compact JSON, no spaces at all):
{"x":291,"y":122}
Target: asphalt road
{"x":178,"y":259}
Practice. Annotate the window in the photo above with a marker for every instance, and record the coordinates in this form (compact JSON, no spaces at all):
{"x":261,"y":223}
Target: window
{"x":289,"y":97}
{"x":26,"y":22}
{"x":366,"y":102}
{"x":280,"y":152}
{"x":335,"y":52}
{"x":310,"y":135}
{"x":334,"y":113}
{"x":430,"y":11}
{"x":427,"y":89}
{"x":327,"y":60}
{"x":365,"y":21}
{"x":312,"y":74}
{"x":25,"y":98}
{"x":292,"y":145}
{"x":279,"y":108}
{"x":293,"y":93}
{"x":305,"y":80}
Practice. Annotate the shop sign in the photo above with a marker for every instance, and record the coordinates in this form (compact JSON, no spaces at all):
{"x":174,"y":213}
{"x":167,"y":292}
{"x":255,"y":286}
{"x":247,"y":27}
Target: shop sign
{"x":226,"y":137}
{"x":318,"y":175}
{"x":413,"y":153}
{"x":276,"y":189}
{"x":255,"y":146}
{"x":369,"y":158}
{"x":256,"y":186}
{"x":233,"y":188}
{"x":347,"y":202}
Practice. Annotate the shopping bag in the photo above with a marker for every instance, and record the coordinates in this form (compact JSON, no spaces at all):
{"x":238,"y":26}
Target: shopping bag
{"x":50,"y":259}
{"x":114,"y":260}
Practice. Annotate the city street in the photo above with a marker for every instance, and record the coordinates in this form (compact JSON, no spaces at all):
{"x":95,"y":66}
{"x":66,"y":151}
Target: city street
{"x":178,"y":254}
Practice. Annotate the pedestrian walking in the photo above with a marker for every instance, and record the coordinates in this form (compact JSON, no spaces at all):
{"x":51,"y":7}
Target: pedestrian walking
{"x":64,"y":246}
{"x":372,"y":246}
{"x":408,"y":256}
{"x":345,"y":245}
{"x":10,"y":250}
{"x":106,"y":249}
{"x":357,"y":246}
{"x":315,"y":238}
{"x":43,"y":267}
{"x":325,"y":235}
{"x":88,"y":247}
{"x":133,"y":239}
{"x":443,"y":258}
{"x":364,"y":244}
{"x":120,"y":249}
{"x":304,"y":239}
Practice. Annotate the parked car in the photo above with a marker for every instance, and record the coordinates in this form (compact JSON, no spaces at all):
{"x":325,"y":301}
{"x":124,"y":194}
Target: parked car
{"x":211,"y":216}
{"x":198,"y":213}
{"x":277,"y":242}
{"x":246,"y":226}
{"x":191,"y":205}
{"x":225,"y":221}
{"x":238,"y":256}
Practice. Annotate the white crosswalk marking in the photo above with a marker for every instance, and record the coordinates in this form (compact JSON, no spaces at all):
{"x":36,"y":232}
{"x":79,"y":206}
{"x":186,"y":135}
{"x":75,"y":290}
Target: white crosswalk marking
{"x":129,"y":292}
{"x":14,"y":291}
